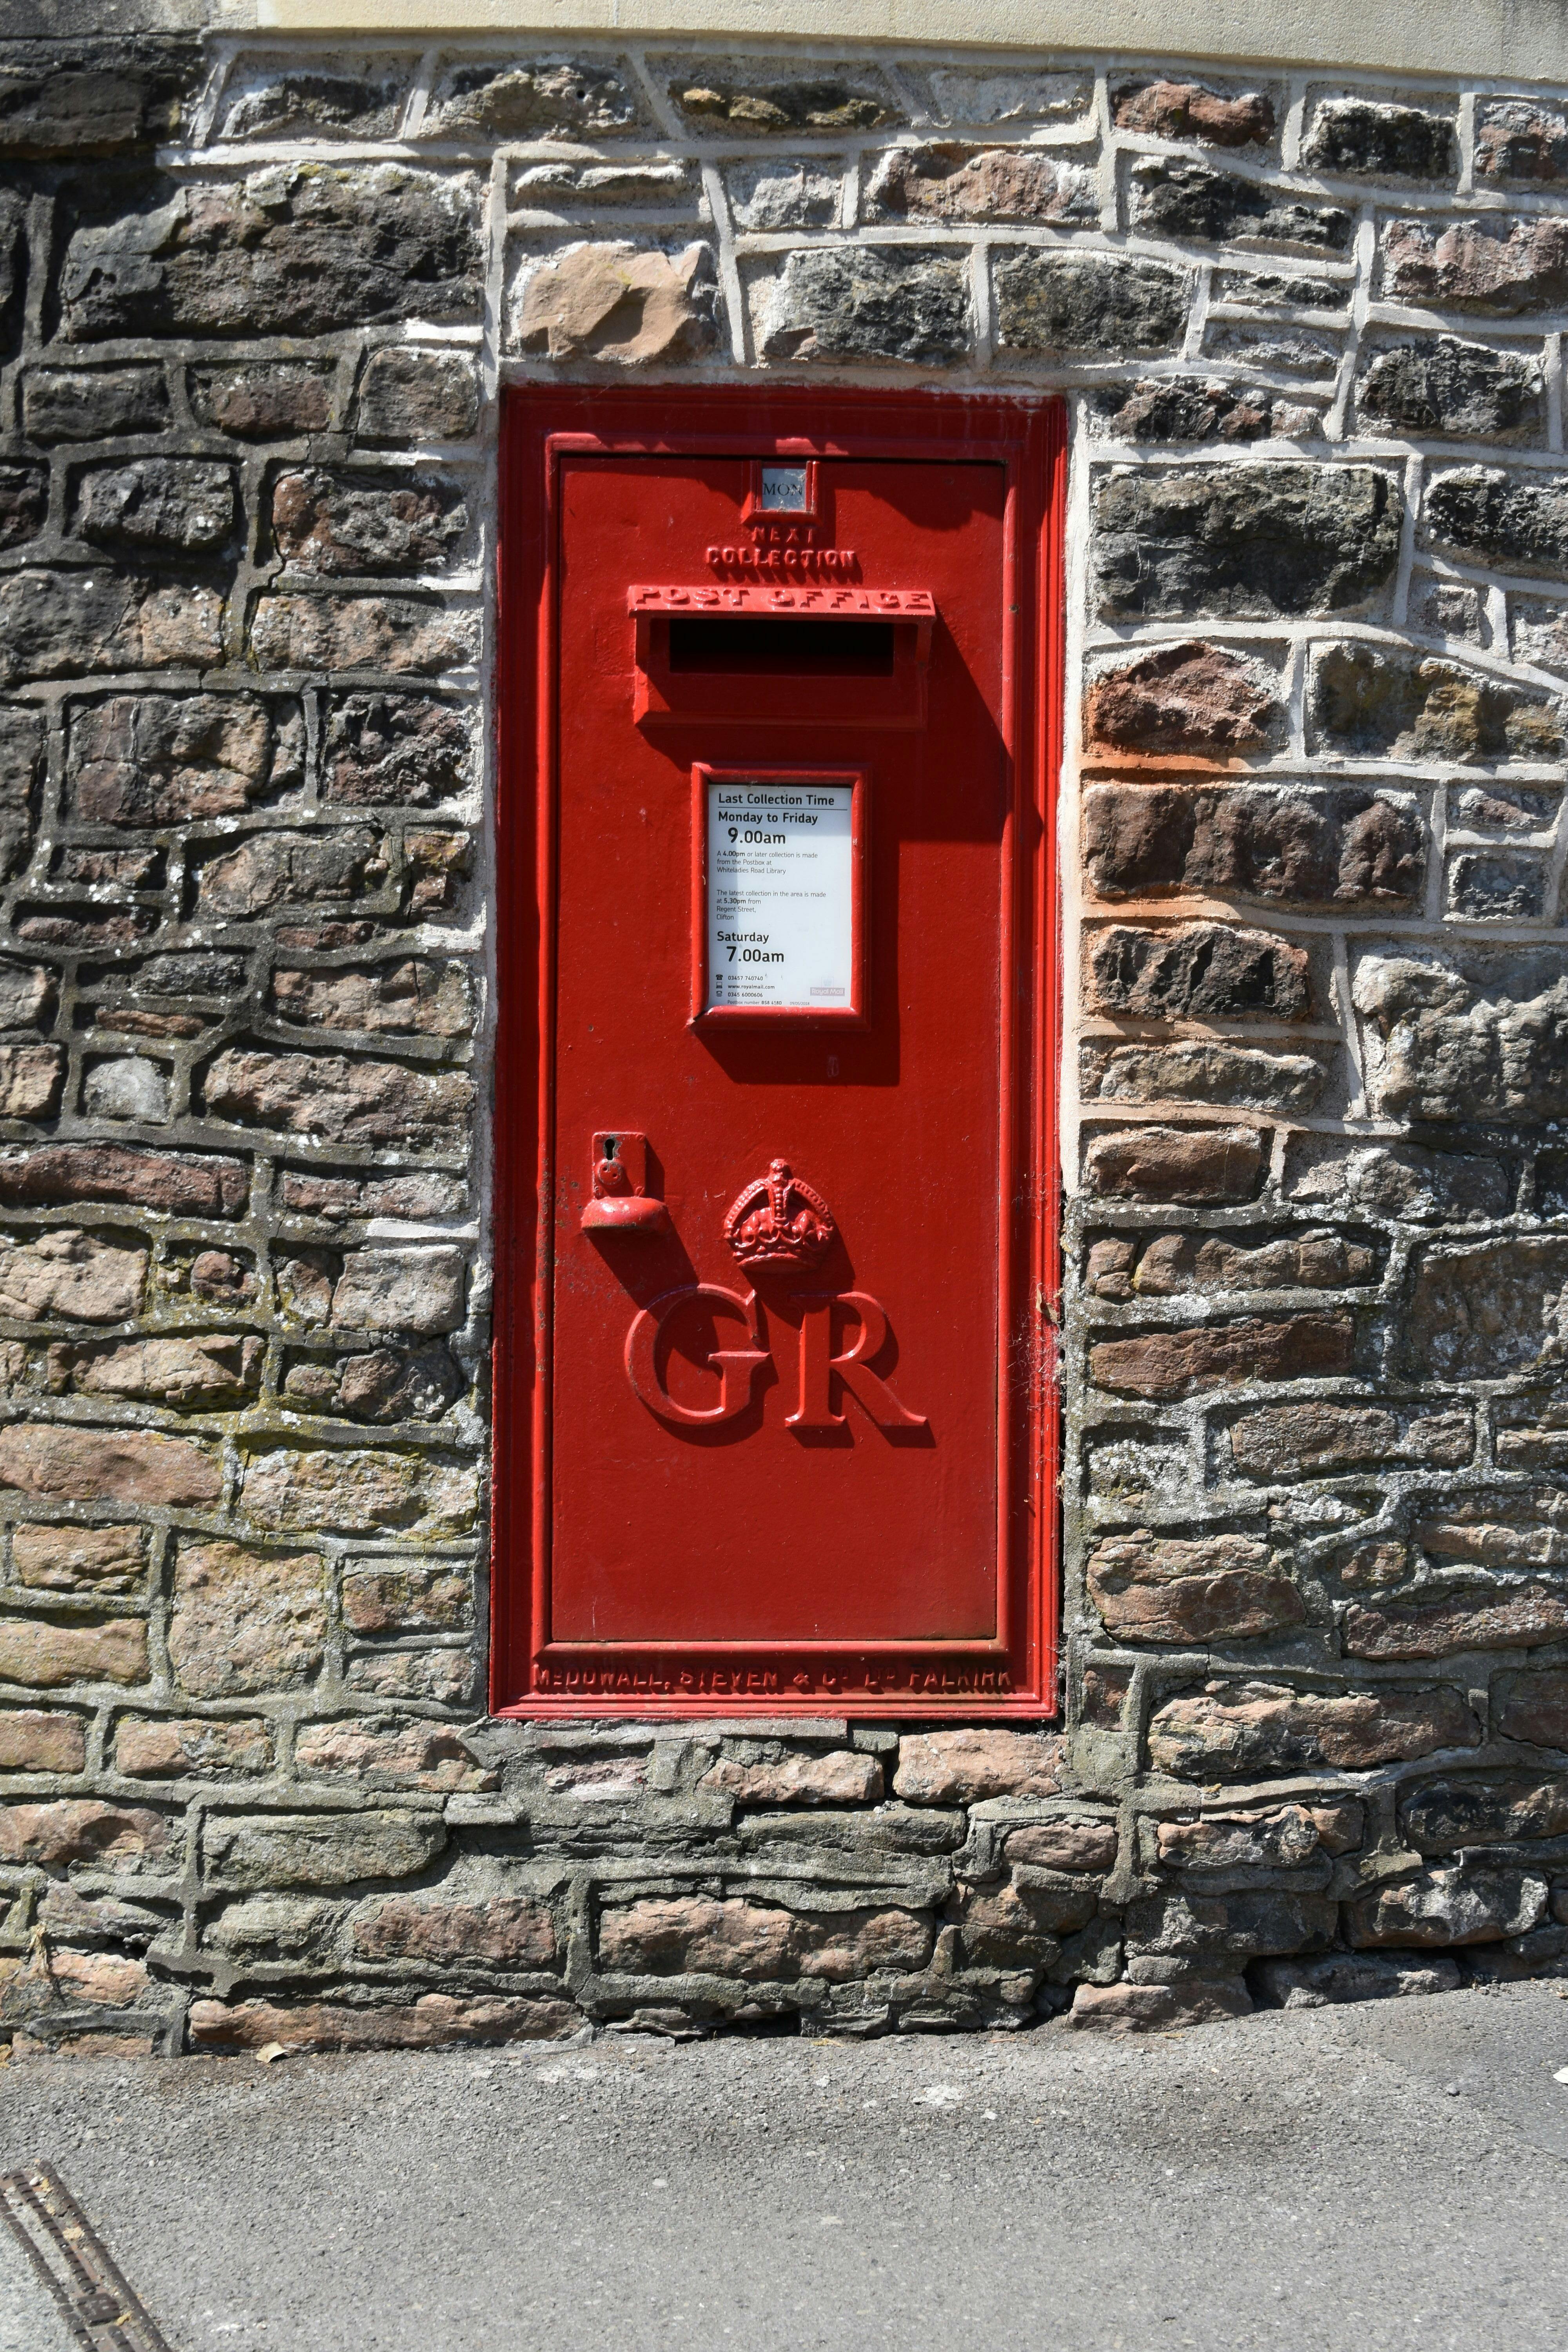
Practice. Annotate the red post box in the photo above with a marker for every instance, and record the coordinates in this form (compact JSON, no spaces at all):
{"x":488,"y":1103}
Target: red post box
{"x":775,"y":1108}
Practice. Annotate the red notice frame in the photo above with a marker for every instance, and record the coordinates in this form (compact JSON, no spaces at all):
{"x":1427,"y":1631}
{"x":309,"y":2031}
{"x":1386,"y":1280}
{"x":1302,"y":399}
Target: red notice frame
{"x":540,"y":425}
{"x":704,"y":1015}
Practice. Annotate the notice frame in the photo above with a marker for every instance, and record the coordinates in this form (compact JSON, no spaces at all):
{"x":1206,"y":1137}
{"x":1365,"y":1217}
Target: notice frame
{"x":853,"y":1015}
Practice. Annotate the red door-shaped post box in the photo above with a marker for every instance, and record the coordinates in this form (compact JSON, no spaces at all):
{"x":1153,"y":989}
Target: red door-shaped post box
{"x":775,"y":1089}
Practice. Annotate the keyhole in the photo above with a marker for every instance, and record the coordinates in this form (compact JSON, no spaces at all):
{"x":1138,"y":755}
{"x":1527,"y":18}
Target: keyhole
{"x":609,"y":1146}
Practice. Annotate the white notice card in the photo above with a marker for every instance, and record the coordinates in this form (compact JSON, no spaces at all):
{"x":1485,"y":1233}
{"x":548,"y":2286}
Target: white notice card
{"x":781,"y":904}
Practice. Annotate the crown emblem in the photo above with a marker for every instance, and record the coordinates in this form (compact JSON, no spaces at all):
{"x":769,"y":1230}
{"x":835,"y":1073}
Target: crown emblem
{"x":779,"y":1221}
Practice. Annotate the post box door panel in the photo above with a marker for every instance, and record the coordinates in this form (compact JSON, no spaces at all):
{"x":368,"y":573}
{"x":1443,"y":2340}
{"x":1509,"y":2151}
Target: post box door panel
{"x":786,"y":1141}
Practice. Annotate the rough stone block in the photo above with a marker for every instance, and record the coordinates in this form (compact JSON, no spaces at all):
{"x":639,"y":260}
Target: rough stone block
{"x":306,"y":248}
{"x":409,"y":394}
{"x":163,"y":505}
{"x":170,"y":1748}
{"x":1161,"y":1364}
{"x":390,"y":1753}
{"x":377,"y":1384}
{"x":1186,"y":1591}
{"x":408,"y":1597}
{"x":903,"y":303}
{"x":172,"y":1185}
{"x":1194,"y":110}
{"x":435,"y":2021}
{"x":955,"y":182}
{"x":418,"y":997}
{"x":755,"y":101}
{"x":344,"y":1101}
{"x":44,"y":1655}
{"x":1450,"y":1046}
{"x":1288,"y":843}
{"x":1443,"y":1815}
{"x":264,"y":400}
{"x":1533,"y":1706}
{"x":24,"y":503}
{"x":339,"y":1849}
{"x":245,"y":1620}
{"x":360,"y":1493}
{"x":1443,"y":387}
{"x":337,"y":523}
{"x":840,"y":1778}
{"x":1284,"y":1837}
{"x":440,"y":1678}
{"x":1460,"y":1904}
{"x":582,"y":98}
{"x":1016,"y":93}
{"x":1521,"y":142}
{"x":209,"y":1374}
{"x":1317,"y":1438}
{"x":63,"y":624}
{"x":778,"y":195}
{"x":160,"y":758}
{"x":77,"y":1558}
{"x":1074,"y":305}
{"x":277,"y":98}
{"x":1184,"y":701}
{"x":273,"y":869}
{"x":400,"y":633}
{"x":1518,"y":1617}
{"x":1198,"y":972}
{"x":1496,"y":887}
{"x":1213,"y":408}
{"x":31,"y":1742}
{"x":1397,"y":1180}
{"x":1177,"y":1265}
{"x":1356,"y":137}
{"x":701,"y":1936}
{"x":1191,"y":201}
{"x":1339,"y":1977}
{"x":1236,"y":1730}
{"x":1123,"y":2009}
{"x":620,"y":304}
{"x":948,"y":1768}
{"x":1199,"y":1071}
{"x":70,"y":1274}
{"x":58,"y":1462}
{"x":500,"y":1931}
{"x":1508,"y":267}
{"x":1190,"y":1165}
{"x":1487,"y":517}
{"x":76,"y":98}
{"x":387,"y":748}
{"x":82,"y":1829}
{"x":1020,"y":1927}
{"x":1245,"y":543}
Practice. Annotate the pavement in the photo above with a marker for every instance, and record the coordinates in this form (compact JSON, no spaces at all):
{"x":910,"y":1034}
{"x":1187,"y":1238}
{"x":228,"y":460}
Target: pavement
{"x":1390,"y":2175}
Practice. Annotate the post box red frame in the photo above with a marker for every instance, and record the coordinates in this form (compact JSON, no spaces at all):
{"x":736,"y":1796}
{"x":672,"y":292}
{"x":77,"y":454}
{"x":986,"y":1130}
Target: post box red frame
{"x":539,"y":424}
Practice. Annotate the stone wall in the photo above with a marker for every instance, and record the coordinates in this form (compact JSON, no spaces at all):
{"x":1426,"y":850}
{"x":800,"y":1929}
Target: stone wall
{"x":254,"y":306}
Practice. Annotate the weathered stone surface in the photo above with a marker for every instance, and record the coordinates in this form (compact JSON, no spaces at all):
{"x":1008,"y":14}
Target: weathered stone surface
{"x":80,"y":1829}
{"x":129,"y":1086}
{"x":175,"y":1184}
{"x":1191,"y":1165}
{"x":336,"y":523}
{"x":1487,"y":517}
{"x":1458,"y":1905}
{"x":1194,"y":110}
{"x":245,"y":1620}
{"x":1198,"y":972}
{"x":1533,"y":1706}
{"x":550,"y":98}
{"x":1071,"y":305}
{"x":1162,"y":1364}
{"x":1485,"y":1312}
{"x":1199,"y":1071}
{"x":1190,"y":200}
{"x":43,"y":1655}
{"x":502,"y":1931}
{"x":1175,"y":1265}
{"x":1355,"y":136}
{"x":779,"y":195}
{"x":390,"y":1752}
{"x":1019,"y":1927}
{"x":417,"y":396}
{"x":306,"y":248}
{"x":1398,"y":1180}
{"x":1496,"y":887}
{"x":1243,"y":542}
{"x":75,"y":98}
{"x":196,"y":1375}
{"x":621,"y":304}
{"x":1445,"y":1814}
{"x":412,"y":633}
{"x":441,"y":1677}
{"x":1294,"y":1440}
{"x":1123,"y":2009}
{"x":24,"y":503}
{"x":1223,"y":1930}
{"x":1282,"y":1838}
{"x":1290,"y":844}
{"x":271,"y":869}
{"x":869,"y":302}
{"x":1444,"y":386}
{"x":1233,"y":1731}
{"x":701,"y":1936}
{"x":264,"y":400}
{"x":62,"y":1462}
{"x":360,"y":1493}
{"x":947,"y":1768}
{"x":417,"y":997}
{"x":1491,"y":1047}
{"x":955,"y":182}
{"x":1509,"y":267}
{"x":1517,"y":1618}
{"x":408,"y":1597}
{"x":31,"y":1742}
{"x":386,"y":747}
{"x":1339,"y":1977}
{"x":328,"y":1097}
{"x":79,"y":1559}
{"x":172,"y":1747}
{"x":760,"y":103}
{"x":21,"y":776}
{"x":840,"y":1778}
{"x":1522,"y":141}
{"x":1514,"y":1528}
{"x":1213,"y":408}
{"x":165,"y":505}
{"x":1189,"y":702}
{"x":72,"y":1275}
{"x":318,"y":1849}
{"x":276,"y":98}
{"x":1064,"y":1845}
{"x":58,"y":623}
{"x":1174,"y":1589}
{"x":160,"y":758}
{"x":31,"y":1078}
{"x":377,"y":1384}
{"x":1016,"y":93}
{"x":435,"y":2021}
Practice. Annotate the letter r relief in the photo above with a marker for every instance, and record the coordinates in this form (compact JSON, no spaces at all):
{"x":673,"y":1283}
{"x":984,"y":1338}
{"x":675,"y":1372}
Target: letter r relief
{"x":819,"y":1366}
{"x":739,"y":1369}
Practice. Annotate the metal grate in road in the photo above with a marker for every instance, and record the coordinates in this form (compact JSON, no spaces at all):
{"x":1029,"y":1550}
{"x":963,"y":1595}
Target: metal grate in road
{"x":100,"y":2307}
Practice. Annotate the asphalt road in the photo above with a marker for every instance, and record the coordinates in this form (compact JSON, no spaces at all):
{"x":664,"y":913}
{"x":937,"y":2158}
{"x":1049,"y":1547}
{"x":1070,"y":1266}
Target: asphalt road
{"x":1393,"y":2175}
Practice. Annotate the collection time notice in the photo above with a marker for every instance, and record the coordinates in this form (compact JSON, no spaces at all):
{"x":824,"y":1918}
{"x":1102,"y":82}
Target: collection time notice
{"x":780,"y":895}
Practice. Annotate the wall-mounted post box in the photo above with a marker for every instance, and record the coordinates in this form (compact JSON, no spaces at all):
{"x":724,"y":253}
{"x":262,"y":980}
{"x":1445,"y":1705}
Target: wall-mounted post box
{"x":774,"y":1108}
